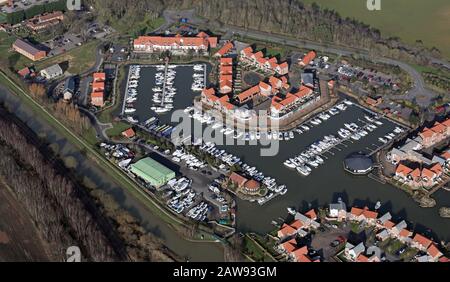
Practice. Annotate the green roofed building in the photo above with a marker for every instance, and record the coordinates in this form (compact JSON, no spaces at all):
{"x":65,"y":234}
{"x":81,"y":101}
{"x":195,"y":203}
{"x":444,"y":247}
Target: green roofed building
{"x":152,"y":172}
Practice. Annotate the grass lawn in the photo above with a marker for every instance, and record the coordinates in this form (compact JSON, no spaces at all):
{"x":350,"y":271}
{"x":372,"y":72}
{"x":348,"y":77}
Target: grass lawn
{"x":105,"y":116}
{"x":393,"y":246}
{"x":254,"y":251}
{"x":118,"y":128}
{"x":80,"y":58}
{"x":272,"y":51}
{"x":14,"y":59}
{"x":432,"y":70}
{"x":138,"y":28}
{"x":267,"y":242}
{"x":91,"y":136}
{"x":410,"y":20}
{"x":2,"y":17}
{"x":355,"y":227}
{"x":409,"y":254}
{"x":203,"y":236}
{"x":5,"y":43}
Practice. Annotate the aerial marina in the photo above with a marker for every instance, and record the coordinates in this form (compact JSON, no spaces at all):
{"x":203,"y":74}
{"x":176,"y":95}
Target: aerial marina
{"x":307,"y":160}
{"x":161,"y":96}
{"x":315,"y":146}
{"x":193,"y":127}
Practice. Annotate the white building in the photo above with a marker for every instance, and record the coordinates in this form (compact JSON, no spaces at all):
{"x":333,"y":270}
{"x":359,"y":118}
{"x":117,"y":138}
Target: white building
{"x":52,"y":72}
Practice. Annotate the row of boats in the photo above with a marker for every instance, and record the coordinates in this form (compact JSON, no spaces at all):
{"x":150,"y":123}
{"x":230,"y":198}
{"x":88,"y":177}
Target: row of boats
{"x":199,"y":77}
{"x":205,"y":118}
{"x":191,"y":161}
{"x":391,"y":136}
{"x":199,"y":212}
{"x":131,"y":93}
{"x":184,"y":195}
{"x":250,"y":171}
{"x":163,"y":130}
{"x":310,"y":158}
{"x":164,"y":91}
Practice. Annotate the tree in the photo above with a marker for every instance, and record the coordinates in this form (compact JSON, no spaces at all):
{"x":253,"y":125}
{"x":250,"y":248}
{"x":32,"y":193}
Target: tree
{"x":15,"y":17}
{"x":37,"y":91}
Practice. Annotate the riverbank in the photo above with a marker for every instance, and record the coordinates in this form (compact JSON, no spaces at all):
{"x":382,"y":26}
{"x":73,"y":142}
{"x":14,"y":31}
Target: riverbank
{"x":19,"y":238}
{"x":144,"y":203}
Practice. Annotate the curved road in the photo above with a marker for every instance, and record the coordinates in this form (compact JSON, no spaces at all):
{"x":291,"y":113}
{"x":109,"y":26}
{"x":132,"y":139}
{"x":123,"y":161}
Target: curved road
{"x":419,"y":91}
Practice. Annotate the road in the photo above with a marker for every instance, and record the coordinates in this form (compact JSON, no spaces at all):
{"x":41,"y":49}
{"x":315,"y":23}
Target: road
{"x":99,"y":127}
{"x":419,"y":92}
{"x":86,"y":79}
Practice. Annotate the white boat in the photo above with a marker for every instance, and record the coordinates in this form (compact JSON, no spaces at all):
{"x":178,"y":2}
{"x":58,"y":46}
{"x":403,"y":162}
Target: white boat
{"x":161,"y":110}
{"x":355,"y":137}
{"x":377,"y":205}
{"x":319,"y":160}
{"x":347,"y":102}
{"x":228,"y":131}
{"x":341,"y":107}
{"x":237,"y":135}
{"x":129,"y":110}
{"x":303,"y":171}
{"x":132,"y":120}
{"x":342,"y":135}
{"x":378,"y":122}
{"x":291,"y":211}
{"x":198,"y":67}
{"x":368,"y":118}
{"x":290,"y":164}
{"x":315,"y":122}
{"x":313,"y":163}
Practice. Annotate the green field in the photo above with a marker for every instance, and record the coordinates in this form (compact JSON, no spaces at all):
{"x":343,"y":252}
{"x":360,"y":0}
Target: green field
{"x":80,"y":58}
{"x":138,"y":28}
{"x":410,"y":20}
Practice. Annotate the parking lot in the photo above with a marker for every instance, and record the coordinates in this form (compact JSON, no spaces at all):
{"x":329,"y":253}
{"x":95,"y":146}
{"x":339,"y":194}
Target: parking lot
{"x":63,"y":43}
{"x":68,"y":41}
{"x":323,"y":239}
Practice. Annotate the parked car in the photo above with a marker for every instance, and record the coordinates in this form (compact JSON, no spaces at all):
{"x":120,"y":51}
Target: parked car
{"x":335,"y":243}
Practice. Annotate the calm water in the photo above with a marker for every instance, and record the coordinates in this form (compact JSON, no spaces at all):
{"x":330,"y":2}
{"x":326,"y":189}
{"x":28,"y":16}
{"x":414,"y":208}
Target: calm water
{"x":182,"y":82}
{"x":326,"y":183}
{"x":152,"y":223}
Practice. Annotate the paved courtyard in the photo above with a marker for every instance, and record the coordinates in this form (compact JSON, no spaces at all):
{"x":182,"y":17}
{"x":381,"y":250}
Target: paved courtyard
{"x":321,"y":240}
